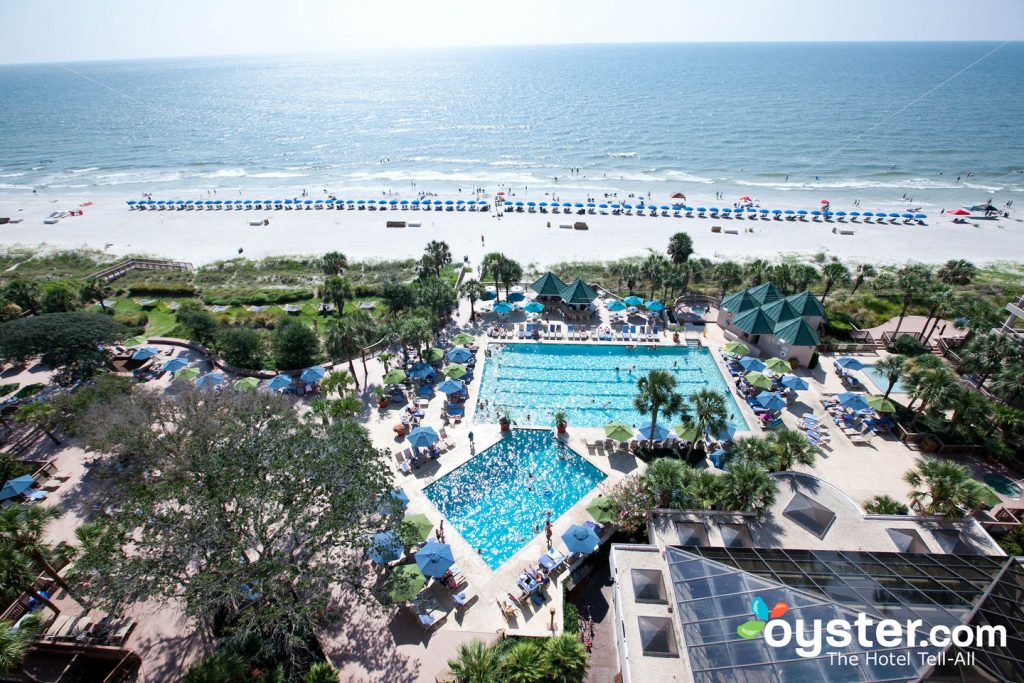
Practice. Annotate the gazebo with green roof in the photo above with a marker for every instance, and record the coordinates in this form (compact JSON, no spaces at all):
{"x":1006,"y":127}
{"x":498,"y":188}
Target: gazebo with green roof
{"x":578,"y":295}
{"x":548,"y":287}
{"x":797,"y":332}
{"x":782,"y":311}
{"x":739,"y":302}
{"x":765,"y":293}
{"x":754,"y":322}
{"x":807,"y":305}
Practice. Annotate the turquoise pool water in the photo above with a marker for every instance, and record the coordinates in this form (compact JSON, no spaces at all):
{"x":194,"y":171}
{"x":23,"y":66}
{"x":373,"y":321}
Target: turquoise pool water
{"x":881,"y":381}
{"x":594,"y":384}
{"x":498,"y":498}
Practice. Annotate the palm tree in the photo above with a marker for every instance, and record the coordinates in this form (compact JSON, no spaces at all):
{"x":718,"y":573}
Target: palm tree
{"x":15,"y":644}
{"x":803,"y":275}
{"x":945,"y":302}
{"x":972,"y":412}
{"x":1008,"y":382}
{"x":1007,"y":418}
{"x":680,"y":247}
{"x":476,"y":662}
{"x":834,"y":274}
{"x":333,"y":263}
{"x":910,"y":280}
{"x":701,"y":490}
{"x":687,"y":272}
{"x":492,"y":266}
{"x":565,"y":660}
{"x":413,"y":331}
{"x":656,"y":394}
{"x":385,"y":358}
{"x":752,"y":449}
{"x":664,"y":478}
{"x":96,"y":289}
{"x":929,"y":381}
{"x":708,"y":413}
{"x":747,"y":487}
{"x":343,"y":340}
{"x":885,"y":505}
{"x":18,"y":574}
{"x":321,"y":672}
{"x":336,"y":290}
{"x":474,"y":291}
{"x":336,"y":382}
{"x":523,"y":663}
{"x":728,"y":274}
{"x":756,"y":270}
{"x":791,"y":448}
{"x":511,"y":273}
{"x":942,"y":487}
{"x":41,"y":416}
{"x":862,"y":272}
{"x":23,"y":528}
{"x":439,"y":255}
{"x":957,"y":272}
{"x":653,"y":269}
{"x":986,"y":355}
{"x":892,"y":366}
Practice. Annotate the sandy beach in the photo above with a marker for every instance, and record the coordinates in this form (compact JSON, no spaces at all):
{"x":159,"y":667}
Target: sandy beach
{"x":205,"y":236}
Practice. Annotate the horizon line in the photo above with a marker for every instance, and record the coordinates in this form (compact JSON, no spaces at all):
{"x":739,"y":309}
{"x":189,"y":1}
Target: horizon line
{"x":422,"y":48}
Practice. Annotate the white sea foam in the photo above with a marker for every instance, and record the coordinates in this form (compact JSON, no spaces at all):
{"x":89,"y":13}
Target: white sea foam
{"x":84,"y":170}
{"x":11,"y":175}
{"x":225,"y":173}
{"x":278,"y":174}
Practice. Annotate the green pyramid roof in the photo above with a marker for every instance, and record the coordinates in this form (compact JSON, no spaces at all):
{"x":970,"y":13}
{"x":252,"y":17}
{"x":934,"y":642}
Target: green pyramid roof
{"x":755,"y":321}
{"x":739,"y":302}
{"x":579,"y":292}
{"x":765,"y":294}
{"x":807,"y":304}
{"x":797,"y":332}
{"x":548,"y":285}
{"x":782,"y":311}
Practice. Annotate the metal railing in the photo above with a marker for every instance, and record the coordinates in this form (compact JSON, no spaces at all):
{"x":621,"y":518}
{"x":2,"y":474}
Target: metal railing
{"x":111,"y":273}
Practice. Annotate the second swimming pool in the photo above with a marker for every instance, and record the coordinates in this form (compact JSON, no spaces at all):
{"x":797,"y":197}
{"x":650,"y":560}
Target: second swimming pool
{"x":594,"y":384}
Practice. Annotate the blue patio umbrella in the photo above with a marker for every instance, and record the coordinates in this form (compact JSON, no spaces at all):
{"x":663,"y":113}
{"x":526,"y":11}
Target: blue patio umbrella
{"x":460,"y":354}
{"x":534,"y":307}
{"x":617,"y":306}
{"x":386,"y":547}
{"x":801,"y":212}
{"x":840,"y":213}
{"x":503,"y":307}
{"x":727,"y":434}
{"x":633,"y":300}
{"x":420,"y":371}
{"x":654,"y":305}
{"x":175,"y":364}
{"x":421,"y":437}
{"x":894,"y":215}
{"x":855,"y":213}
{"x":776,"y":211}
{"x":847,"y":363}
{"x":751,"y":364}
{"x":580,"y":539}
{"x":451,"y":386}
{"x":280,"y":382}
{"x":312,"y":374}
{"x":145,"y":353}
{"x":920,"y":215}
{"x":516,"y":296}
{"x":726,"y":210}
{"x":531,"y":203}
{"x":815,"y":213}
{"x":393,"y":502}
{"x":209,"y":380}
{"x":795,"y":383}
{"x":17,"y":486}
{"x":701,"y":209}
{"x":868,"y":213}
{"x":660,"y":432}
{"x":852,"y":401}
{"x":771,"y":400}
{"x":907,"y":215}
{"x":434,"y":559}
{"x":790,"y":212}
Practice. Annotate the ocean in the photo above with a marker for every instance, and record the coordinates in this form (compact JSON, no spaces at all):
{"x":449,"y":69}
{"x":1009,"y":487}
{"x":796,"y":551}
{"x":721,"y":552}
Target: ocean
{"x":865,"y":120}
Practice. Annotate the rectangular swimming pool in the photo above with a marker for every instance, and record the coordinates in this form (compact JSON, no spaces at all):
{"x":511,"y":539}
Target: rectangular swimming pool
{"x":500,"y":499}
{"x":881,"y":381}
{"x":594,"y":384}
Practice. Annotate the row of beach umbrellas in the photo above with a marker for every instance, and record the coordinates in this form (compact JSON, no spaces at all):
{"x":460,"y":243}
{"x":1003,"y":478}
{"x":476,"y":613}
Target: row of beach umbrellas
{"x":177,"y":204}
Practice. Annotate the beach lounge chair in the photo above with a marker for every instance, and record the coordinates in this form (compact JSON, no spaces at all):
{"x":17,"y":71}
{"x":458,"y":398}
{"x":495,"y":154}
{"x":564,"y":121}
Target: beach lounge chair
{"x":570,"y":332}
{"x":507,"y":610}
{"x":431,"y":618}
{"x":462,"y":599}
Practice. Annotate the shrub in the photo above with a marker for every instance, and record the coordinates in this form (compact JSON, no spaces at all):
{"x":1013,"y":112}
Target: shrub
{"x":364,"y":290}
{"x":6,"y":389}
{"x":570,"y":613}
{"x":151,"y":289}
{"x":905,"y":345}
{"x":295,"y":345}
{"x":132,"y":320}
{"x":242,"y":347}
{"x":254,"y":297}
{"x":28,"y":391}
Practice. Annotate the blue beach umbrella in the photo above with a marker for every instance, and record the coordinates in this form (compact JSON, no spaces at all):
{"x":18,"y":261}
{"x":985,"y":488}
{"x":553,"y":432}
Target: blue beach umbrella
{"x":855,"y":213}
{"x":801,"y":212}
{"x":654,"y":305}
{"x":503,"y":307}
{"x":460,"y":354}
{"x":840,"y":213}
{"x":280,"y":382}
{"x":421,"y":437}
{"x":852,"y":401}
{"x":437,"y":202}
{"x":701,"y":209}
{"x":617,"y":306}
{"x":795,"y":383}
{"x":815,"y":213}
{"x":633,"y":300}
{"x":567,"y":204}
{"x":210,"y":380}
{"x":790,"y":212}
{"x":771,"y":400}
{"x":664,"y":208}
{"x":543,"y":203}
{"x":751,"y":209}
{"x":421,"y":371}
{"x":461,"y":201}
{"x":531,"y":203}
{"x":516,"y":296}
{"x":907,"y":215}
{"x":451,"y":386}
{"x":175,"y":364}
{"x":894,"y":215}
{"x":579,"y":205}
{"x":17,"y":486}
{"x":416,"y":202}
{"x":312,"y":374}
{"x":751,"y":364}
{"x":131,"y":202}
{"x":144,"y":353}
{"x":534,"y":307}
{"x":868,"y":213}
{"x":920,"y":215}
{"x":580,"y":539}
{"x":616,"y":206}
{"x":776,"y":211}
{"x":602,"y":206}
{"x":660,"y":432}
{"x":848,"y":363}
{"x":591,"y":205}
{"x":764,"y":212}
{"x":393,"y":502}
{"x":434,"y":559}
{"x":726,"y":210}
{"x":449,"y":202}
{"x":471,"y":201}
{"x":393,"y":202}
{"x":404,"y":202}
{"x":627,"y":206}
{"x":386,"y":547}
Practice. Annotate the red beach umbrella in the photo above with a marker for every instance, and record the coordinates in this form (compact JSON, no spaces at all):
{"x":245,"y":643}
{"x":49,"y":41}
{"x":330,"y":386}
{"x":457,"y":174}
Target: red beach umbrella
{"x":501,"y":194}
{"x":745,"y":198}
{"x":825,"y":201}
{"x":959,"y":212}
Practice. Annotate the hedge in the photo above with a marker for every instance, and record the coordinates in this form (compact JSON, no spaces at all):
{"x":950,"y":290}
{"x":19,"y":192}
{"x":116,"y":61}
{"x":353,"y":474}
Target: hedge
{"x":161,"y":289}
{"x":257,"y":297}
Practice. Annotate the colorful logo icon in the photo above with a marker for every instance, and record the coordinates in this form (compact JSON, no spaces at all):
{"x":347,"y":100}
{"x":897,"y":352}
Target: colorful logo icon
{"x":752,"y":629}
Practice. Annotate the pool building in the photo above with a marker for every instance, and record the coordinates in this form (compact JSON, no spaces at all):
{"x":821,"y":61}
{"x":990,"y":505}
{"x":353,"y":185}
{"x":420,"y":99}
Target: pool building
{"x":785,"y":327}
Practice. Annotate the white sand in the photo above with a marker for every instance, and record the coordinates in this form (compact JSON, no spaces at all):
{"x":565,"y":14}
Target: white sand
{"x":204,"y":236}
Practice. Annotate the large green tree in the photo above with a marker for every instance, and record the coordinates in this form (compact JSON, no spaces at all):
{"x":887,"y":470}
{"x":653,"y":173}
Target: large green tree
{"x":68,"y":342}
{"x":680,"y":247}
{"x":438,"y":256}
{"x":333,"y":263}
{"x":747,"y":486}
{"x":242,"y":347}
{"x":199,"y":323}
{"x":707,"y":411}
{"x":61,"y":296}
{"x":943,"y":487}
{"x":295,"y":345}
{"x":253,"y":517}
{"x":657,"y":396}
{"x":336,"y":290}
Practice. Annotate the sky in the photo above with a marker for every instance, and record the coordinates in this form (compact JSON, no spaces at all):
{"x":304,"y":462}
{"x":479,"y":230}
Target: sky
{"x":79,"y":30}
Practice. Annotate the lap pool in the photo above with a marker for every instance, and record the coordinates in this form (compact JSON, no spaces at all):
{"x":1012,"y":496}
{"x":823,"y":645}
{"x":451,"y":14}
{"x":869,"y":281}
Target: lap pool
{"x":500,"y":499}
{"x":594,"y":384}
